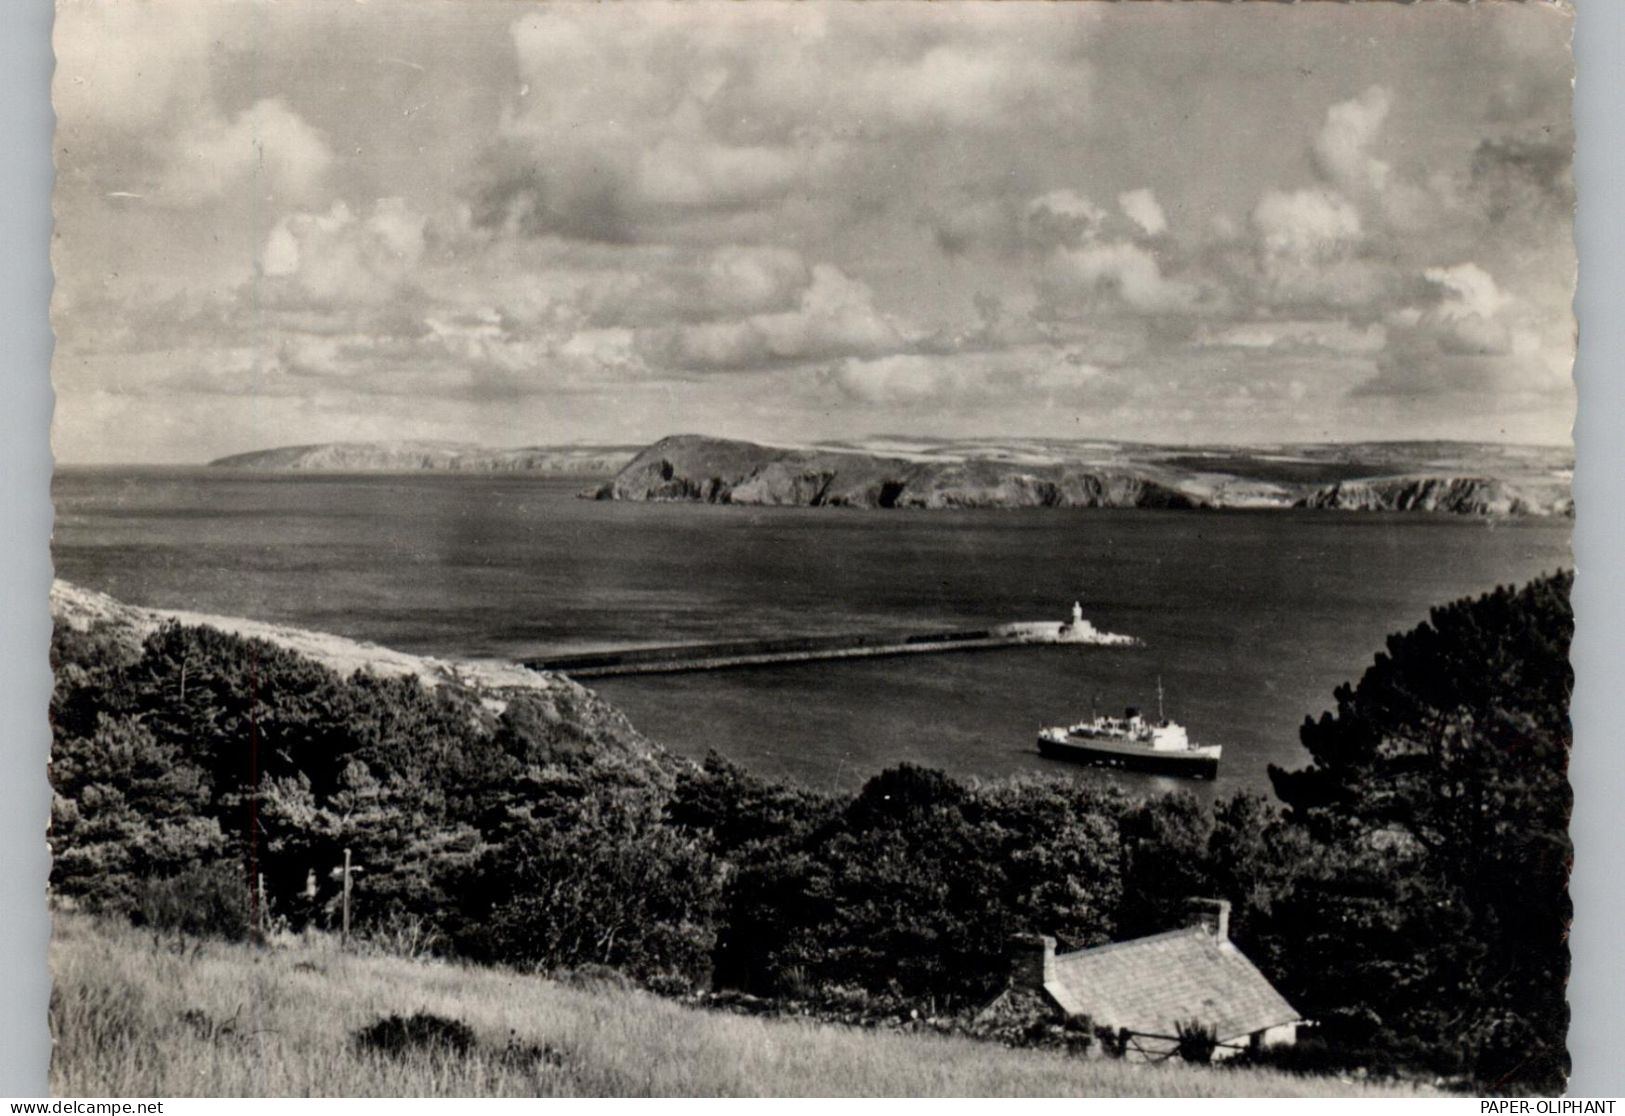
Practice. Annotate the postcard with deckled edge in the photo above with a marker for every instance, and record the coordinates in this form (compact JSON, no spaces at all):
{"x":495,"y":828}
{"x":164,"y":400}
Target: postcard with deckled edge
{"x":761,"y":549}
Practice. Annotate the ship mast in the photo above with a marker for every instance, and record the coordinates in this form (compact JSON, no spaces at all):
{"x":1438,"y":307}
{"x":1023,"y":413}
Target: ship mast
{"x":1161,"y":716}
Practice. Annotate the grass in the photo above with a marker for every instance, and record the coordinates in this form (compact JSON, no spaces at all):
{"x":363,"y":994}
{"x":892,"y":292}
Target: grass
{"x":132,"y":1017}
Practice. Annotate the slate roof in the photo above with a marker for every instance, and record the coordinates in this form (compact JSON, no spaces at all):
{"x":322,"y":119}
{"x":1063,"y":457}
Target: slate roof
{"x":1154,"y":984}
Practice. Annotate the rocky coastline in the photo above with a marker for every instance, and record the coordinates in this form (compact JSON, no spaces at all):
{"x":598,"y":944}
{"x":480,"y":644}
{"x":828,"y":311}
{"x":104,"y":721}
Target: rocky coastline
{"x":692,"y":468}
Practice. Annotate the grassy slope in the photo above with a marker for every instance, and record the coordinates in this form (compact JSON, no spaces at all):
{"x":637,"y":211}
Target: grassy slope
{"x":132,"y":1018}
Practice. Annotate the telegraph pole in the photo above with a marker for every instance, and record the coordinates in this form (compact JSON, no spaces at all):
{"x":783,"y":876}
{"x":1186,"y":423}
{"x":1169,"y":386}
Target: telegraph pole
{"x":344,"y":934}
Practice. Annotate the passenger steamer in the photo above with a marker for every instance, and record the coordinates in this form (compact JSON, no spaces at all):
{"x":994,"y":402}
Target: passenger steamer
{"x":1132,"y":742}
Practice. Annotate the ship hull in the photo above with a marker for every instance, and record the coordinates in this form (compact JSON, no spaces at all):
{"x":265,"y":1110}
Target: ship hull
{"x":1194,"y":764}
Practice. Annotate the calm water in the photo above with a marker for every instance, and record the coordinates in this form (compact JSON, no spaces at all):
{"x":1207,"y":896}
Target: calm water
{"x":1250,"y":618}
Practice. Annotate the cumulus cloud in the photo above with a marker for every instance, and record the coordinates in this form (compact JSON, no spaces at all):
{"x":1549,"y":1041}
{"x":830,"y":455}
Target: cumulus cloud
{"x":1142,"y":208}
{"x":962,"y":225}
{"x":962,"y":68}
{"x":1473,"y":342}
{"x":1063,"y":217}
{"x":1351,"y":240}
{"x":751,"y":278}
{"x":129,"y":67}
{"x":792,"y":206}
{"x":731,"y":281}
{"x":1088,"y":265}
{"x":1335,"y":336}
{"x":1121,"y":269}
{"x":266,"y":146}
{"x":139,"y":84}
{"x":912,"y":379}
{"x":1307,"y":226}
{"x":835,"y":317}
{"x":337,"y":259}
{"x":478,"y":354}
{"x":1343,"y":147}
{"x":1470,"y":291}
{"x":637,"y":118}
{"x":1524,"y":179}
{"x":1466,"y":321}
{"x":1308,"y":247}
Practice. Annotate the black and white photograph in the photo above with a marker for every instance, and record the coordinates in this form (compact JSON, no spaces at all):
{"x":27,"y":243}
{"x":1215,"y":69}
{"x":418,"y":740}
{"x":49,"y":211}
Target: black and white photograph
{"x":767,"y":549}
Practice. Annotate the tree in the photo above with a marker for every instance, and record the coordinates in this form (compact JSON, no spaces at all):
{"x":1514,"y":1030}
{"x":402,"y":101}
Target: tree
{"x":125,"y":808}
{"x":1438,"y":802}
{"x":586,"y":872}
{"x":1165,"y":846}
{"x":916,"y":887}
{"x":736,"y":810}
{"x":1257,"y":858}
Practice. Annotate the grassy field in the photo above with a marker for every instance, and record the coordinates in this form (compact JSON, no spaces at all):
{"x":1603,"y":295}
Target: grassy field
{"x":134,"y":1018}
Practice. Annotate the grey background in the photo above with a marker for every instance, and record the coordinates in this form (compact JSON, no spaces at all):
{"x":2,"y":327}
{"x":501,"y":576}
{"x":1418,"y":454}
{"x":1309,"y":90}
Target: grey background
{"x":1597,"y":988}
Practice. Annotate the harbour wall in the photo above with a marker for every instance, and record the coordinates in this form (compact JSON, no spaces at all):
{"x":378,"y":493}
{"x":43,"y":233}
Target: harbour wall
{"x":799,"y":649}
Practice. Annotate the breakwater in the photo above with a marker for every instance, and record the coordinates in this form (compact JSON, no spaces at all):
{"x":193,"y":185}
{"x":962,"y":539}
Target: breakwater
{"x":796,"y":649}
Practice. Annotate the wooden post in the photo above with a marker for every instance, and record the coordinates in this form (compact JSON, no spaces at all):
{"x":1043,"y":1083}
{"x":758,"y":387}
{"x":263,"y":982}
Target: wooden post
{"x":344,"y":934}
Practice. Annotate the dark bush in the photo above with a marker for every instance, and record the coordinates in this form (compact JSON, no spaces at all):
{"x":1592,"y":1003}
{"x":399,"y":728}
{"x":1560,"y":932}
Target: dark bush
{"x":593,"y":977}
{"x":1197,"y":1041}
{"x":397,"y":1036}
{"x":533,"y":1056}
{"x":213,"y":901}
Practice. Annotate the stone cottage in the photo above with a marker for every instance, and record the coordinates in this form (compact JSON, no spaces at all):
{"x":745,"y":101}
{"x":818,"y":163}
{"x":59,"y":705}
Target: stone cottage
{"x":1151,"y":986}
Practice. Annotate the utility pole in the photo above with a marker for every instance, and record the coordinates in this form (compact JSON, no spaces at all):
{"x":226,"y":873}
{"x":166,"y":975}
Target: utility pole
{"x":346,"y":877}
{"x":344,"y":934}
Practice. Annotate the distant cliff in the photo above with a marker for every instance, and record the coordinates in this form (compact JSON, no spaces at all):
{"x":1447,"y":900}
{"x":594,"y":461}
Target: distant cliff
{"x":1458,"y":495}
{"x":716,"y":471}
{"x":900,"y":472}
{"x":1098,"y":475}
{"x":406,"y":456}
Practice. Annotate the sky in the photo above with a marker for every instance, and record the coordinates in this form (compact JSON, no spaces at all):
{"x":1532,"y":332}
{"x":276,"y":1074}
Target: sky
{"x":516,"y":224}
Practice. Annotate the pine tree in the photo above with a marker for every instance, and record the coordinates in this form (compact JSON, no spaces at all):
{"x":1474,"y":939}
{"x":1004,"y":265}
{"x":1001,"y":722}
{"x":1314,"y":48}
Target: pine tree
{"x":1438,"y":800}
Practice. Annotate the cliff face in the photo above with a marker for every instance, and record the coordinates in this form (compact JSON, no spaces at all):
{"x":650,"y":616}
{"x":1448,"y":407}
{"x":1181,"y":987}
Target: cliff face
{"x":717,"y":471}
{"x":991,"y":485}
{"x":1457,"y":495}
{"x":401,"y":457}
{"x":896,"y":472}
{"x":1370,"y":477}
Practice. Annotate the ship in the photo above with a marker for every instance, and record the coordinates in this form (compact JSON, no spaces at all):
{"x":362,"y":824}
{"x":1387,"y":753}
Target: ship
{"x":1133,"y":742}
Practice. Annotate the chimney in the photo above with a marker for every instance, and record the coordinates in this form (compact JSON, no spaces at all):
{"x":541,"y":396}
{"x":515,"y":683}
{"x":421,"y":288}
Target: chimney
{"x":1212,"y":915}
{"x":1032,"y":960}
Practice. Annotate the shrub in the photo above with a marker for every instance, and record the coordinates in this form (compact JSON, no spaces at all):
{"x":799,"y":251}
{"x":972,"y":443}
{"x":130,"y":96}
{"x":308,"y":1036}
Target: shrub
{"x":1389,"y":1057}
{"x":591,"y":875}
{"x":212,"y":901}
{"x":399,"y":1036}
{"x":593,"y":977}
{"x":404,"y":934}
{"x":1197,"y":1041}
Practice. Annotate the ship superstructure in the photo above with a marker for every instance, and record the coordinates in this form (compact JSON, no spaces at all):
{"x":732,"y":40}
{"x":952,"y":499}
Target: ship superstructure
{"x":1133,"y":741}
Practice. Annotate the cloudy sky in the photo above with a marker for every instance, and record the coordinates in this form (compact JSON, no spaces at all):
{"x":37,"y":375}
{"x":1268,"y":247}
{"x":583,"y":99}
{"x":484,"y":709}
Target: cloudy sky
{"x":514,"y":224}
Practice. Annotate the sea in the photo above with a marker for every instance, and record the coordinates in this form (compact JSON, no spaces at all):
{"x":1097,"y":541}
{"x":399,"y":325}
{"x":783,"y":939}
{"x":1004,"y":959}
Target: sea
{"x":1248,"y":619}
